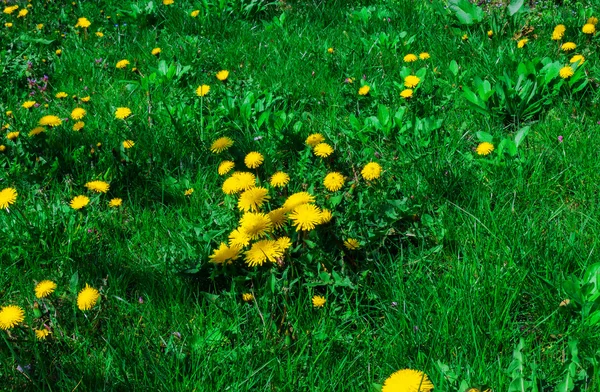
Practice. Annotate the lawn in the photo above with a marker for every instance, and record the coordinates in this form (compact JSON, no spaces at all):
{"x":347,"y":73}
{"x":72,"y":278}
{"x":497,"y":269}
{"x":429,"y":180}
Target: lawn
{"x":248,"y":195}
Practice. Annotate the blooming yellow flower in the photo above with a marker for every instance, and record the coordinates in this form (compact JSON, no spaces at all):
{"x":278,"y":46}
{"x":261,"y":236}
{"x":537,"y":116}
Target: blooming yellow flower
{"x":78,"y":113}
{"x":247,"y":297}
{"x":128,"y":144}
{"x":238,"y":238}
{"x":254,"y":159}
{"x":522,"y":42}
{"x":11,"y":316}
{"x":36,"y":131}
{"x":577,"y":58}
{"x":409,"y":58}
{"x":168,"y":2}
{"x":2,"y":148}
{"x":255,"y":224}
{"x":352,"y":244}
{"x":318,"y":301}
{"x":568,"y":46}
{"x":561,"y":28}
{"x":411,"y":81}
{"x":194,"y":13}
{"x":12,"y":135}
{"x":279,"y":179}
{"x":225,"y":253}
{"x":261,"y":251}
{"x":407,"y":380}
{"x":557,"y":35}
{"x":122,"y":113}
{"x":156,"y":51}
{"x":364,"y":90}
{"x":326,"y":216}
{"x":44,"y":288}
{"x":278,"y":217}
{"x":41,"y":334}
{"x":225,"y":167}
{"x":87,"y":298}
{"x":221,"y":144}
{"x":239,"y":181}
{"x":8,"y":196}
{"x":323,"y":150}
{"x":371,"y":171}
{"x":284,"y":243}
{"x":10,"y":9}
{"x":22,"y":13}
{"x":85,"y":99}
{"x":253,"y":199}
{"x":83,"y":23}
{"x":116,"y":202}
{"x":78,"y":202}
{"x":490,"y":33}
{"x":28,"y":104}
{"x":465,"y":37}
{"x":588,"y":28}
{"x":78,"y":126}
{"x":222,"y":75}
{"x":188,"y":192}
{"x":9,"y":113}
{"x":98,"y":186}
{"x":122,"y":64}
{"x":61,"y":95}
{"x":58,"y":52}
{"x":333,"y":181}
{"x":406,"y":93}
{"x":50,"y":121}
{"x":306,"y":217}
{"x":485,"y":148}
{"x":592,"y":20}
{"x":8,"y":25}
{"x":298,"y":199}
{"x":566,"y":72}
{"x":99,"y":34}
{"x":314,"y":139}
{"x":201,"y":91}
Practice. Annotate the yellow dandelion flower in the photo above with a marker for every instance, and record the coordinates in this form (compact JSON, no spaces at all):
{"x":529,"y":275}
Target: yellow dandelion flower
{"x":298,"y":199}
{"x":406,"y":93}
{"x":577,"y":58}
{"x":592,"y":20}
{"x":314,"y":139}
{"x":122,"y":64}
{"x":247,"y":297}
{"x":225,"y":167}
{"x":588,"y":28}
{"x":306,"y":217}
{"x":61,"y":95}
{"x":156,"y":51}
{"x":465,"y":37}
{"x":98,"y":186}
{"x":194,"y":13}
{"x":78,"y":113}
{"x":83,"y":23}
{"x":122,"y":113}
{"x":364,"y":90}
{"x":11,"y":316}
{"x":318,"y":301}
{"x":86,"y":99}
{"x":10,"y":9}
{"x":87,"y":298}
{"x":128,"y":144}
{"x":323,"y":150}
{"x":352,"y":244}
{"x":2,"y":148}
{"x":253,"y":199}
{"x":239,"y":181}
{"x":411,"y":81}
{"x":78,"y":202}
{"x":28,"y":104}
{"x":326,"y":216}
{"x":407,"y":380}
{"x":254,"y":159}
{"x":9,"y":113}
{"x":566,"y":72}
{"x":255,"y":224}
{"x":78,"y":126}
{"x":188,"y":192}
{"x":222,"y":75}
{"x":116,"y":202}
{"x":238,"y":238}
{"x":278,"y":217}
{"x":99,"y":34}
{"x":371,"y":171}
{"x":224,"y":253}
{"x":485,"y":148}
{"x":12,"y":135}
{"x":333,"y":181}
{"x":262,"y":251}
{"x":8,"y":25}
{"x":201,"y":91}
{"x":44,"y":288}
{"x":284,"y":243}
{"x":279,"y":179}
{"x":50,"y":121}
{"x":168,"y":2}
{"x":58,"y":52}
{"x":568,"y":46}
{"x":557,"y":35}
{"x":36,"y":131}
{"x":490,"y":33}
{"x":221,"y":144}
{"x":41,"y":334}
{"x":424,"y":56}
{"x":522,"y":42}
{"x":561,"y":28}
{"x":409,"y":58}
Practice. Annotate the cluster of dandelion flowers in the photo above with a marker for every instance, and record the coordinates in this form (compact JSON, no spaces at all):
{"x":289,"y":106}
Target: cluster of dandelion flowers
{"x":254,"y":159}
{"x":351,"y":244}
{"x":122,"y":64}
{"x":407,"y":380}
{"x":116,"y":202}
{"x":364,"y":90}
{"x":11,"y":316}
{"x":202,"y":90}
{"x":128,"y":144}
{"x":50,"y":121}
{"x":41,"y":334}
{"x":225,"y":253}
{"x":485,"y":148}
{"x":122,"y":113}
{"x":306,"y":217}
{"x":78,"y":202}
{"x":222,"y":75}
{"x":333,"y":181}
{"x":239,"y":181}
{"x":566,"y":72}
{"x":314,"y":139}
{"x":279,"y":179}
{"x":318,"y":301}
{"x":98,"y":186}
{"x":8,"y":196}
{"x":406,"y":93}
{"x":44,"y":288}
{"x":409,"y":58}
{"x":371,"y":171}
{"x":225,"y":167}
{"x":588,"y":28}
{"x":568,"y":46}
{"x":83,"y":23}
{"x":261,"y":251}
{"x":247,"y":297}
{"x":411,"y":81}
{"x":36,"y":131}
{"x":221,"y":144}
{"x":87,"y":297}
{"x":253,"y":199}
{"x":255,"y":224}
{"x":522,"y":43}
{"x":323,"y":150}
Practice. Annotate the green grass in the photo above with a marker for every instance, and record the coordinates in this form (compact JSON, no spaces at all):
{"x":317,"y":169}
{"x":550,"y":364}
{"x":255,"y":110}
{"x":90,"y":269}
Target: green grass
{"x":462,"y":257}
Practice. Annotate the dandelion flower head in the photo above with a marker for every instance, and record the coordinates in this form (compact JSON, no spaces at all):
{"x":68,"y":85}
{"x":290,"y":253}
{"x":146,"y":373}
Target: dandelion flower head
{"x":78,"y":202}
{"x":314,"y":139}
{"x":87,"y":297}
{"x":239,"y":181}
{"x":222,"y":75}
{"x":278,"y":217}
{"x":253,"y":199}
{"x":568,"y":46}
{"x":424,"y":56}
{"x":406,"y":93}
{"x":323,"y":150}
{"x":221,"y":144}
{"x":318,"y":301}
{"x":409,"y":58}
{"x":78,"y":126}
{"x":297,"y":199}
{"x":44,"y":288}
{"x":352,"y":244}
{"x":122,"y":113}
{"x":254,"y":159}
{"x":306,"y":217}
{"x":97,"y":186}
{"x":61,"y":95}
{"x":588,"y":28}
{"x":116,"y":202}
{"x":333,"y":181}
{"x":225,"y":167}
{"x":41,"y":334}
{"x":326,"y":216}
{"x":407,"y":380}
{"x":566,"y":72}
{"x":522,"y":42}
{"x":364,"y":90}
{"x":78,"y":113}
{"x":128,"y":144}
{"x":411,"y":81}
{"x":262,"y":251}
{"x":122,"y":64}
{"x":201,"y":91}
{"x":36,"y":131}
{"x":50,"y":121}
{"x":225,"y":253}
{"x":247,"y":297}
{"x":8,"y":196}
{"x":194,"y":13}
{"x":28,"y":104}
{"x":485,"y":148}
{"x":83,"y":23}
{"x":279,"y":179}
{"x":255,"y":224}
{"x":11,"y":316}
{"x":592,"y":20}
{"x":12,"y":135}
{"x":371,"y":171}
{"x":577,"y":58}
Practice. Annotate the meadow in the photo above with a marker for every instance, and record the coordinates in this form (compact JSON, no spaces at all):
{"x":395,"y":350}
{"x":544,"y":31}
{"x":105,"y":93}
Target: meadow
{"x":254,"y":195}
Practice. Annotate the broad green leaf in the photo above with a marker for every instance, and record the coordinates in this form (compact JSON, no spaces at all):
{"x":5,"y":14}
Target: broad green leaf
{"x":514,"y":7}
{"x":520,"y":136}
{"x":453,"y":67}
